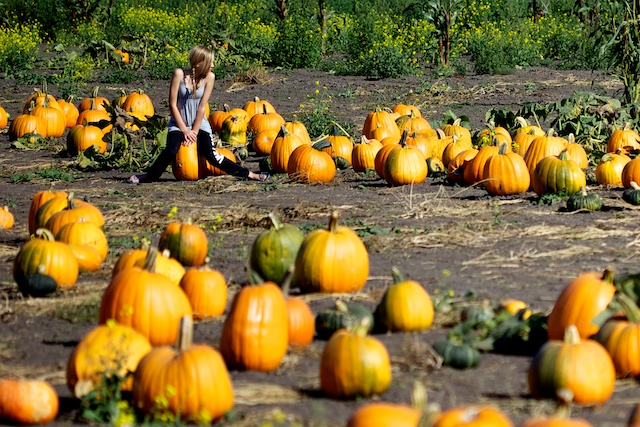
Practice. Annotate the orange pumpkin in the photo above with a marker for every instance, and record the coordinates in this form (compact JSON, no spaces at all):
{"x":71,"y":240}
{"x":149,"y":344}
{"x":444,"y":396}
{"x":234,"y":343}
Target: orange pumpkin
{"x":263,"y":141}
{"x":610,"y":167}
{"x":582,"y":366}
{"x":363,"y":155}
{"x":542,"y":147}
{"x":218,"y":117}
{"x":28,"y":402}
{"x":84,"y":233}
{"x":83,"y":136}
{"x":107,"y":350}
{"x":455,"y":168}
{"x":206,"y":289}
{"x":282,"y":149}
{"x":405,"y":164}
{"x":382,"y":119}
{"x":506,"y":173}
{"x":630,"y":173}
{"x":40,"y":198}
{"x":580,"y":301}
{"x":25,"y":124}
{"x":255,"y":332}
{"x":4,"y":118}
{"x":6,"y":218}
{"x":147,"y":301}
{"x":340,"y":145}
{"x":192,"y":380}
{"x":139,"y":102}
{"x":298,"y":128}
{"x":70,"y":111}
{"x":310,"y":163}
{"x":332,"y":260}
{"x":93,"y":102}
{"x":472,"y":415}
{"x":214,"y":170}
{"x":186,"y":242}
{"x":263,"y":121}
{"x":625,"y":138}
{"x":258,"y":106}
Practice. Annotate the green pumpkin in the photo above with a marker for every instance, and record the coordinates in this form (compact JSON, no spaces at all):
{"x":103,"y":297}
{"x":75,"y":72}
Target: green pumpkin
{"x":234,"y":131}
{"x":435,"y":167}
{"x":583,"y":200}
{"x":343,"y":315}
{"x":459,"y":356}
{"x":477,"y":313}
{"x":555,"y":174}
{"x":37,"y":285}
{"x":265,"y":165}
{"x":275,"y":250}
{"x":632,"y":195}
{"x":341,"y":163}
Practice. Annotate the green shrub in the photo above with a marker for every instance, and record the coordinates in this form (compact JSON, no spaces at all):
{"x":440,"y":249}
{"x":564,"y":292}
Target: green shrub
{"x":19,"y":46}
{"x":256,"y":39}
{"x":298,"y":43}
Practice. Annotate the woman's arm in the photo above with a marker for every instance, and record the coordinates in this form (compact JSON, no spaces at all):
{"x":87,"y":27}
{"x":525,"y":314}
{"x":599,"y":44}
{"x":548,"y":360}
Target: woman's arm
{"x":178,"y":76}
{"x":202,"y":106}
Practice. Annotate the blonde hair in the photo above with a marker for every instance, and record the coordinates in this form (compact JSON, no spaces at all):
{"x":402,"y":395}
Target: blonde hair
{"x":196,"y":55}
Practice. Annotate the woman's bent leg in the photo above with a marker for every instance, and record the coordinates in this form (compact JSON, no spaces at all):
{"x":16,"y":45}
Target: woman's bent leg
{"x":155,"y":171}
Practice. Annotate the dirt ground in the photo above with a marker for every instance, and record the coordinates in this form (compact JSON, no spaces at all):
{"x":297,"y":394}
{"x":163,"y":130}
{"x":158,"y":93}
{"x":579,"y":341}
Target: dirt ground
{"x":448,"y":238}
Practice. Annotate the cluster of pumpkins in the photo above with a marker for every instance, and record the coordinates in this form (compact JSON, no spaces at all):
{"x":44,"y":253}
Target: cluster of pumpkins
{"x":45,"y":116}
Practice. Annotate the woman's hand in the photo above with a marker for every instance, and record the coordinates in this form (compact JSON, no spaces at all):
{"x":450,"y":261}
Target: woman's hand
{"x":190,"y":136}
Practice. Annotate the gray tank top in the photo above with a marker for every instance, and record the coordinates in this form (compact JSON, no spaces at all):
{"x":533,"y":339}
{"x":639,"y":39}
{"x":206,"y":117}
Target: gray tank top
{"x":188,"y":106}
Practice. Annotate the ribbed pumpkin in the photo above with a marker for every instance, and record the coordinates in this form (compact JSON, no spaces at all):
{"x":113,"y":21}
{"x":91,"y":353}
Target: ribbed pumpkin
{"x":576,"y":152}
{"x":187,"y":165}
{"x":610,"y":167}
{"x":206,"y":289}
{"x":54,"y":117}
{"x":379,"y":118}
{"x":129,"y":258}
{"x":28,"y":402}
{"x":301,"y":320}
{"x":522,"y":141}
{"x":381,"y":133}
{"x":506,"y":173}
{"x":632,"y":195}
{"x":625,"y":138}
{"x":282,"y":148}
{"x":421,"y":142}
{"x":554,"y":174}
{"x":579,"y":303}
{"x":630,"y":172}
{"x":234,"y":131}
{"x":258,"y":106}
{"x":298,"y":128}
{"x":38,"y":97}
{"x":4,"y":118}
{"x":405,"y":164}
{"x":340,"y":145}
{"x":522,"y":126}
{"x":164,"y":265}
{"x":332,"y":260}
{"x":472,"y":416}
{"x":186,"y":242}
{"x":493,"y":135}
{"x":405,"y":306}
{"x":94,"y":101}
{"x":255,"y":332}
{"x":311,"y":164}
{"x":147,"y":301}
{"x":88,"y":258}
{"x":27,"y":124}
{"x":217,"y":117}
{"x":363,"y":155}
{"x":263,"y":141}
{"x":84,"y":233}
{"x":139,"y":102}
{"x":381,"y":158}
{"x":455,"y":168}
{"x":474,"y":170}
{"x":46,"y":257}
{"x":582,"y":366}
{"x":354,"y":364}
{"x":456,"y":129}
{"x":621,"y":337}
{"x":83,"y":136}
{"x":275,"y":250}
{"x":40,"y":198}
{"x":70,"y":111}
{"x":542,"y":147}
{"x":72,"y":212}
{"x":94,"y":115}
{"x":438,"y":143}
{"x":406,"y":110}
{"x":453,"y":148}
{"x":192,"y":379}
{"x":263,"y":121}
{"x":106,"y":351}
{"x":412,"y":123}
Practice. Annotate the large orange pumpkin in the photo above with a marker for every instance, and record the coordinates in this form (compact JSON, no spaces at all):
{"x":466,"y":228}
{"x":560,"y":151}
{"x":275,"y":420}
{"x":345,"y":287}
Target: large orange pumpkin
{"x":310,"y":163}
{"x":206,"y":289}
{"x":28,"y":402}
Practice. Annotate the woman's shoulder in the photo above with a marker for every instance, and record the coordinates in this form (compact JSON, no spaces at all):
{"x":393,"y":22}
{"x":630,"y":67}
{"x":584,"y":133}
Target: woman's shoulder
{"x":178,"y":72}
{"x":211,"y":77}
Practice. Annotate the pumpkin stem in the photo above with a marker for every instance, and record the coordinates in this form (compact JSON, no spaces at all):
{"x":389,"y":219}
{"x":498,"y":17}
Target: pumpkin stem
{"x":286,"y":282}
{"x":337,"y":125}
{"x":503,"y":148}
{"x":253,"y":278}
{"x":607,"y":275}
{"x":521,"y":121}
{"x":94,"y":93}
{"x":565,"y":398}
{"x":333,"y":222}
{"x":563,"y":155}
{"x":571,"y":335}
{"x":403,"y":138}
{"x":550,"y":132}
{"x":45,"y":234}
{"x":360,"y":327}
{"x":583,"y":191}
{"x":441,"y":134}
{"x":277,"y":224}
{"x":150,"y":260}
{"x":185,"y":334}
{"x":629,"y":307}
{"x":634,"y":185}
{"x":397,"y":275}
{"x":341,"y":306}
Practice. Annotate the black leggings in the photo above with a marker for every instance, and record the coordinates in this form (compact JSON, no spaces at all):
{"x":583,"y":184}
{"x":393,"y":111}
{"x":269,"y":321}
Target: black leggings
{"x":205,"y":148}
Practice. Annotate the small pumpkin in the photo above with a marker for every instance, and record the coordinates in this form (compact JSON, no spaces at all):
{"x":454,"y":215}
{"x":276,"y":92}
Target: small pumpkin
{"x":28,"y":402}
{"x":343,"y":315}
{"x":258,"y":106}
{"x":455,"y":168}
{"x":630,"y":172}
{"x":632,"y":195}
{"x":332,"y":260}
{"x":275,"y":250}
{"x":106,"y":351}
{"x":234,"y":131}
{"x":456,"y":129}
{"x":6,"y":218}
{"x":139,"y":102}
{"x":93,"y":102}
{"x":379,"y":119}
{"x":405,"y":306}
{"x":264,"y":120}
{"x":38,"y":199}
{"x":192,"y":379}
{"x":4,"y":118}
{"x":364,"y":153}
{"x":218,"y":117}
{"x":340,"y":145}
{"x":300,"y":318}
{"x":70,"y":111}
{"x":354,"y":364}
{"x":610,"y":167}
{"x":255,"y":332}
{"x":54,"y":117}
{"x":561,"y":416}
{"x":206,"y":289}
{"x":435,"y":167}
{"x":81,"y":137}
{"x":457,"y":355}
{"x":506,"y":173}
{"x":84,"y":233}
{"x":405,"y":164}
{"x":555,"y":174}
{"x":542,"y":147}
{"x":625,"y":138}
{"x":186,"y":242}
{"x":583,"y":200}
{"x":282,"y":148}
{"x":582,"y":366}
{"x":311,"y":164}
{"x":263,"y":141}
